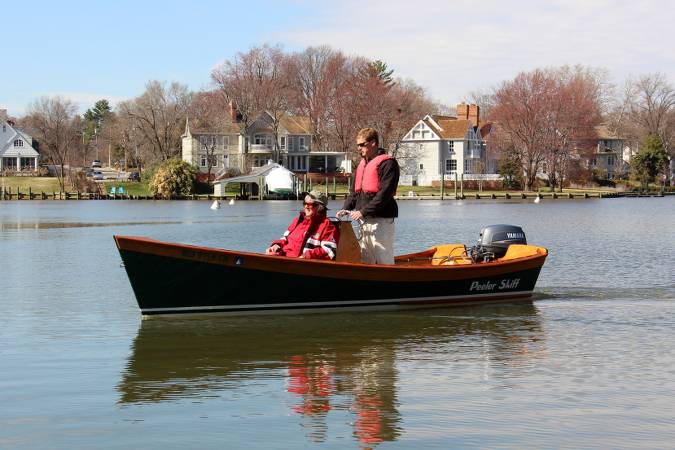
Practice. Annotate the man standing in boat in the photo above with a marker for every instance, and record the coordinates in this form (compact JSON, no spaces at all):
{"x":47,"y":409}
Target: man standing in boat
{"x":372,"y":199}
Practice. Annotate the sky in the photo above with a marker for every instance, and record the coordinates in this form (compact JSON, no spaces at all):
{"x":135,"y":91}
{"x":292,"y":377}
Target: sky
{"x":86,"y":51}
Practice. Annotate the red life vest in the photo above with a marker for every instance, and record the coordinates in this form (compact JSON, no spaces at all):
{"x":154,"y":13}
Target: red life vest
{"x":366,"y":179}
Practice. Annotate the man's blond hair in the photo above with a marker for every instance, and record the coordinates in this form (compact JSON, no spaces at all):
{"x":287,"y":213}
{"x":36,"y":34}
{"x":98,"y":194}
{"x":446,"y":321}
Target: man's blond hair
{"x":369,"y":134}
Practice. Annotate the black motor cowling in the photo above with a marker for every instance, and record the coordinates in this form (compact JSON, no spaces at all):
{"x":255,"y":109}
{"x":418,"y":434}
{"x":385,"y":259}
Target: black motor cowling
{"x":494,"y":240}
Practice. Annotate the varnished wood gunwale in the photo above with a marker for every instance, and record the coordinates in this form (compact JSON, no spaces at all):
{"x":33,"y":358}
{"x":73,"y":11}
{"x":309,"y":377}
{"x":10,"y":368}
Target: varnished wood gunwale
{"x":327,"y":269}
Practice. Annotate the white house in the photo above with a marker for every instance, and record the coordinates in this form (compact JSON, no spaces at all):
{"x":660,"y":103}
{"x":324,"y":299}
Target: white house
{"x":444,"y":146}
{"x":16,"y":148}
{"x":245,"y":149}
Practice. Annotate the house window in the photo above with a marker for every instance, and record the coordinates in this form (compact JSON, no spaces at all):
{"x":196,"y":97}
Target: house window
{"x":283,"y":142}
{"x":302,"y":143}
{"x":451,"y":146}
{"x":472,"y":166}
{"x":226,"y":161}
{"x":450,"y":165}
{"x":415,"y":134}
{"x":205,"y":141}
{"x":225,"y":141}
{"x":421,"y":166}
{"x":425,"y":134}
{"x":18,"y":143}
{"x":262,"y":139}
{"x":610,"y":160}
{"x":259,"y":160}
{"x":203,"y":161}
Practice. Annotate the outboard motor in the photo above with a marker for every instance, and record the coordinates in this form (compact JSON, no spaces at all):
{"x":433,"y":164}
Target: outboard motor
{"x":494,"y":240}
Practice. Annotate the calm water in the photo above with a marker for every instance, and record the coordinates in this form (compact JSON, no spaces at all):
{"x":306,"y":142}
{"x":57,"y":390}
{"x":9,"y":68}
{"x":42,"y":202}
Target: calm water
{"x":589,"y":364}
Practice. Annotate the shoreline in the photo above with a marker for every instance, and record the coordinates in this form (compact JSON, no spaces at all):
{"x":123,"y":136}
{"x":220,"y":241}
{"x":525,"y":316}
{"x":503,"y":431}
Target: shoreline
{"x":70,"y":196}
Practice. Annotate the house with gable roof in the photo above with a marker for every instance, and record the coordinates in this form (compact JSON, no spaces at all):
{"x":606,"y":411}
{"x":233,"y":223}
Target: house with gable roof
{"x":251,"y":147}
{"x":441,"y":146}
{"x":17,"y":155}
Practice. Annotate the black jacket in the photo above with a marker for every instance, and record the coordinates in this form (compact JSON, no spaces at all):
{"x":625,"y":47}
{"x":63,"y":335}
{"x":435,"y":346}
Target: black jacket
{"x":382,"y":203}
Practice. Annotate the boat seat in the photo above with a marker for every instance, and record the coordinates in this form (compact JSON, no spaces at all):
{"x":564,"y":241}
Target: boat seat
{"x":348,"y":248}
{"x":516,"y":251}
{"x":450,"y":254}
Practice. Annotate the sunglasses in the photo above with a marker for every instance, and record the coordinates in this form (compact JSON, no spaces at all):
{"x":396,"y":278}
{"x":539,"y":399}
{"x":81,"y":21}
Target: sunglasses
{"x":362,"y":144}
{"x":311,"y":205}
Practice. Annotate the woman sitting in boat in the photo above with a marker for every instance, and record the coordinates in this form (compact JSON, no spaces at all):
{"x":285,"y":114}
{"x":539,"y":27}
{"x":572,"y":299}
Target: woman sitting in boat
{"x":310,"y":235}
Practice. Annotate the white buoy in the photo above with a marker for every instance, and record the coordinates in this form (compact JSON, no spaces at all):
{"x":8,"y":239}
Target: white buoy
{"x":537,"y":199}
{"x":231,"y":201}
{"x":215,"y":205}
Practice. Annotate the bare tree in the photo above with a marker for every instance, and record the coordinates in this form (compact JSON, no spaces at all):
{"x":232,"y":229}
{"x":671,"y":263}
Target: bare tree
{"x":407,"y":102}
{"x":58,"y":130}
{"x":159,"y":115}
{"x":317,"y":74}
{"x":574,"y":112}
{"x":650,"y":101}
{"x":522,"y":110}
{"x":485,"y":99}
{"x":341,"y":115}
{"x":209,"y":110}
{"x":209,"y":145}
{"x":550,"y":116}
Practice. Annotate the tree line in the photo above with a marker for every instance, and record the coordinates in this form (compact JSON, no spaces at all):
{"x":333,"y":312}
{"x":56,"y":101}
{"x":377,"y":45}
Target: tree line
{"x":542,"y":121}
{"x":338,"y":93}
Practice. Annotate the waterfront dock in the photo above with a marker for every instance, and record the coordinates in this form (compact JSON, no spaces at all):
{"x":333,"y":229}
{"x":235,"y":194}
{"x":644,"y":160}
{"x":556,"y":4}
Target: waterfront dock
{"x":10,"y":194}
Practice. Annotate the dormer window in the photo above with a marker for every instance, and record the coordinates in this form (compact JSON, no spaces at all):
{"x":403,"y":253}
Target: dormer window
{"x":18,"y":143}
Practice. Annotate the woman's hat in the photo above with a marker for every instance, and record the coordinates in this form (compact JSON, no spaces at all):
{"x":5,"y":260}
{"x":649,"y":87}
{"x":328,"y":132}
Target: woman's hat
{"x":316,"y":197}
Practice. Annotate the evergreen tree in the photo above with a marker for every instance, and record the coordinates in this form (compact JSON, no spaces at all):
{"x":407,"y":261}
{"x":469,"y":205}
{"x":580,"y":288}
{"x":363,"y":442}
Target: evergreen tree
{"x":95,"y":117}
{"x":650,"y":161}
{"x":379,"y":68}
{"x":511,"y":169}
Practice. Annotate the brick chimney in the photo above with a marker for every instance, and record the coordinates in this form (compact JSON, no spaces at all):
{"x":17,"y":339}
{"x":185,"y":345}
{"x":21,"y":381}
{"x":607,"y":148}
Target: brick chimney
{"x":474,"y":114}
{"x":234,"y":114}
{"x":3,"y":115}
{"x":462,"y":111}
{"x":468,"y":112}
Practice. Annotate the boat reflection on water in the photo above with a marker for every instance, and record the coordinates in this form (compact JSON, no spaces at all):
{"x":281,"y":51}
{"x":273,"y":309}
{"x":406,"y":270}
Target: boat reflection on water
{"x":326,"y":363}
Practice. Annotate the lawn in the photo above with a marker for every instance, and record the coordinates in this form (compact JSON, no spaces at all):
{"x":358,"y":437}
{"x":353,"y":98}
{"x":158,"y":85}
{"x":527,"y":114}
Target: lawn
{"x":130,"y":187}
{"x":35,"y":184}
{"x":51,"y":184}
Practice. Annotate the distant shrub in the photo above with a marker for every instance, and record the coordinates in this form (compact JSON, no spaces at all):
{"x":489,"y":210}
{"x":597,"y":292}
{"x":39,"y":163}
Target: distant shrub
{"x":173,"y":177}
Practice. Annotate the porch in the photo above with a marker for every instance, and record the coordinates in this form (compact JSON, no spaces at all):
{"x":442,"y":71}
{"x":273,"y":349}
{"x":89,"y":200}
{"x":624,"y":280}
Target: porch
{"x":18,"y":166}
{"x":319,"y":162}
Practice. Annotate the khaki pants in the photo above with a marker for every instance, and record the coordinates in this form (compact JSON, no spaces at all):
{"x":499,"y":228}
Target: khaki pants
{"x":377,"y":243}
